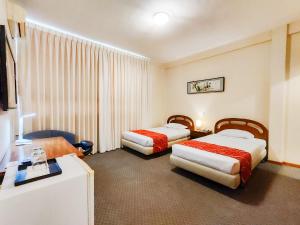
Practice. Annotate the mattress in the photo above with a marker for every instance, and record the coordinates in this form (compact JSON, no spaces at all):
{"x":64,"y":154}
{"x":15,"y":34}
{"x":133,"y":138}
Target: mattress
{"x":256,"y":147}
{"x":172,"y":134}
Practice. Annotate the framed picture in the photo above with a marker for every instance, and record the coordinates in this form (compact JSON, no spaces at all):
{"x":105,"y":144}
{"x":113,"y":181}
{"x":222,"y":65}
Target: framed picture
{"x":206,"y":86}
{"x":11,"y":77}
{"x":8,"y":86}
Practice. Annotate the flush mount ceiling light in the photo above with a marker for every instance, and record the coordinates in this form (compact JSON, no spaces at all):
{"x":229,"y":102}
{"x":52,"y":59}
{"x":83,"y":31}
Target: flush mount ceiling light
{"x":160,"y":18}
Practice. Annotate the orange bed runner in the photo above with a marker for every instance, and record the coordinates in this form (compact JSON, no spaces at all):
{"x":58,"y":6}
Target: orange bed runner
{"x":243,"y":156}
{"x":160,"y":141}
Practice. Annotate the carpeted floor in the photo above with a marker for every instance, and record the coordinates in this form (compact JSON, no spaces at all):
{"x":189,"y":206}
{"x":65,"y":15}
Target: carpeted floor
{"x":135,"y":190}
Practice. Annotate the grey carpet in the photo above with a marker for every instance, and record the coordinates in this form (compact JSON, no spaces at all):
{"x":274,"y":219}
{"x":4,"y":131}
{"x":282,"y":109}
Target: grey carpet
{"x":135,"y":190}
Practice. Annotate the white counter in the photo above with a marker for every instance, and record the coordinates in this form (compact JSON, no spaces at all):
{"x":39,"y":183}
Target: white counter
{"x":66,"y":199}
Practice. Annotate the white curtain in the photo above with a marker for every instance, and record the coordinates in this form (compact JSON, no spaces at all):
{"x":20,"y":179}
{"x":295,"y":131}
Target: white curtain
{"x":82,"y":87}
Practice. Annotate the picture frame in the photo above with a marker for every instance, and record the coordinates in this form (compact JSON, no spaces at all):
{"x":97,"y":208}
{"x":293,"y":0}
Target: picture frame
{"x":206,"y":86}
{"x":11,"y":77}
{"x":8,"y":85}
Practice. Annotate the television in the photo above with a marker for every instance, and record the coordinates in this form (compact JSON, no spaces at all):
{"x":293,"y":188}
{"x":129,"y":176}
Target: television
{"x":8,"y":90}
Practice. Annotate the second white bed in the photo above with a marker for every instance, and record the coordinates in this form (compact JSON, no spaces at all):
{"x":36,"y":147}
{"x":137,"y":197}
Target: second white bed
{"x":256,"y":147}
{"x":172,"y":134}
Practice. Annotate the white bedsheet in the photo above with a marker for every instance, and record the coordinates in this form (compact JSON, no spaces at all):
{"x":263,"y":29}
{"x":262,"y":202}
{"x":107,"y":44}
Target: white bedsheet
{"x":256,"y":147}
{"x":171,"y":133}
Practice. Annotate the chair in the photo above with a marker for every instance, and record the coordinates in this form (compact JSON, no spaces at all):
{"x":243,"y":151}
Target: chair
{"x":86,"y":146}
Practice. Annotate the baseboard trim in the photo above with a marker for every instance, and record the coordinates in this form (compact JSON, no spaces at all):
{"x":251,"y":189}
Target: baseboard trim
{"x":284,"y":164}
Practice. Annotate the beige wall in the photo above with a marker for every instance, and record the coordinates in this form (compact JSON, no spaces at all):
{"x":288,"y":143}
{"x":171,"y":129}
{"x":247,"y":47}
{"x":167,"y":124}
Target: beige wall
{"x":292,"y":144}
{"x":246,"y":72}
{"x":277,"y":104}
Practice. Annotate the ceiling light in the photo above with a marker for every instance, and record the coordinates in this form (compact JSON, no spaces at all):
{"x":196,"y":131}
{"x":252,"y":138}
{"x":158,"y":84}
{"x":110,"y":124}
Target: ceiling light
{"x":160,"y":18}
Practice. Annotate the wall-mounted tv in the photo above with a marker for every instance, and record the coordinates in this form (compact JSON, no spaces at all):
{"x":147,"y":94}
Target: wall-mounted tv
{"x":8,"y":90}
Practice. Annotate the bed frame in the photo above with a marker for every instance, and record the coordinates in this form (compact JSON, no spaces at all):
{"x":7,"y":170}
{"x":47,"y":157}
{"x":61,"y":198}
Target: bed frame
{"x":232,"y":181}
{"x":255,"y":128}
{"x":184,"y":120}
{"x":181,"y":119}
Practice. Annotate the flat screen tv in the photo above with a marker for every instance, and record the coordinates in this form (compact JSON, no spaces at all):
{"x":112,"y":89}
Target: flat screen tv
{"x":8,"y":90}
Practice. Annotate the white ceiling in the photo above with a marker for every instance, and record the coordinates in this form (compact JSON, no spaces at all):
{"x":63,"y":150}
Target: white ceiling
{"x":194,"y":26}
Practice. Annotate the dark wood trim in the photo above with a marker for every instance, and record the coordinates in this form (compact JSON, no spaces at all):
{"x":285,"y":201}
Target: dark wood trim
{"x":275,"y":162}
{"x":198,"y":133}
{"x":3,"y":71}
{"x":254,"y":127}
{"x":184,"y":120}
{"x":284,"y":164}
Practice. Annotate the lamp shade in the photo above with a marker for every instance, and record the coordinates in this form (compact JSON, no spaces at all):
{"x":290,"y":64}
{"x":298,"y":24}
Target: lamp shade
{"x":198,"y":124}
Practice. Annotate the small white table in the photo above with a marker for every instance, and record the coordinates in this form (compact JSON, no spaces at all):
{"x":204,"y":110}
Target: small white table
{"x":66,"y":199}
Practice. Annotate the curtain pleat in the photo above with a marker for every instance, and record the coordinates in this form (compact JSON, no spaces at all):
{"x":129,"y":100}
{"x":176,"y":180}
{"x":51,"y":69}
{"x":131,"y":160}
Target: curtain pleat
{"x":82,"y":87}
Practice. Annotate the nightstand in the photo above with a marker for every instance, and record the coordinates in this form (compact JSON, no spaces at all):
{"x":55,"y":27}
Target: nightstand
{"x":199,"y":133}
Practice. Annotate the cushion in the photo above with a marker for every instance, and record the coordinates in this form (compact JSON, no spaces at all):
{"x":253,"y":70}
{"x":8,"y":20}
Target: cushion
{"x":236,"y":133}
{"x":175,"y":126}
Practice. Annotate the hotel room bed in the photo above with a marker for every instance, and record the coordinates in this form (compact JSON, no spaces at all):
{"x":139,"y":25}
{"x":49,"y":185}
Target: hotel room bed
{"x":144,"y":144}
{"x":221,"y":168}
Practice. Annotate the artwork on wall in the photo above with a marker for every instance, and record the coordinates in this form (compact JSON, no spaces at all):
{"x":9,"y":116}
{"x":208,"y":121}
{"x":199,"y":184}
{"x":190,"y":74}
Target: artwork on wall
{"x":8,"y":85}
{"x":206,"y":86}
{"x":11,"y":77}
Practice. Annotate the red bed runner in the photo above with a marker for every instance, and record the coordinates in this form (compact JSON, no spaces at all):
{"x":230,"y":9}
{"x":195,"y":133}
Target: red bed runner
{"x":243,"y":156}
{"x":160,"y":141}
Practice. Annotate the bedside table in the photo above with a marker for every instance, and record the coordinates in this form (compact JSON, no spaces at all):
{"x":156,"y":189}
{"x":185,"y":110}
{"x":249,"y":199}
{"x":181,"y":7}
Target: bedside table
{"x":199,"y":133}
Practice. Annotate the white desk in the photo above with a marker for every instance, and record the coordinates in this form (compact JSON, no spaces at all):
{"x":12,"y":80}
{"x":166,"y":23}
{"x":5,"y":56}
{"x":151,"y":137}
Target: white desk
{"x":66,"y":199}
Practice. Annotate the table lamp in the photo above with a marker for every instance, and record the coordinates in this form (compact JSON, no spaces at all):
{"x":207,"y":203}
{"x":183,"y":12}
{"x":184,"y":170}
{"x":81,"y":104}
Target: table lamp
{"x":21,"y":140}
{"x":198,"y":124}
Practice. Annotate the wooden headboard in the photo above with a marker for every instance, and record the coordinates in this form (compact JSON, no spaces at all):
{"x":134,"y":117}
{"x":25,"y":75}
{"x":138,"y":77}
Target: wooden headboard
{"x":256,"y":128}
{"x":184,"y":120}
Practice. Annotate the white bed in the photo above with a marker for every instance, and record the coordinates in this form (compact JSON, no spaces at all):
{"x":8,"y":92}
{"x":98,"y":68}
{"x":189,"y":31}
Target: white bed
{"x":256,"y":147}
{"x":172,"y":134}
{"x":222,"y":169}
{"x":144,"y":144}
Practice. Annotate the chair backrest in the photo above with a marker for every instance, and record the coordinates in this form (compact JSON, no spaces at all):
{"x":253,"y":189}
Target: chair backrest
{"x":70,"y":137}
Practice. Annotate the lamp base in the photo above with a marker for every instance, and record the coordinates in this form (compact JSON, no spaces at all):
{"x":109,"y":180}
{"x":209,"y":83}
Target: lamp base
{"x":23,"y":142}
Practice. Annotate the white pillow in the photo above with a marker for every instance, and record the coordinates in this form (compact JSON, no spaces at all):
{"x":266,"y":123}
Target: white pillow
{"x":175,"y":126}
{"x":236,"y":133}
